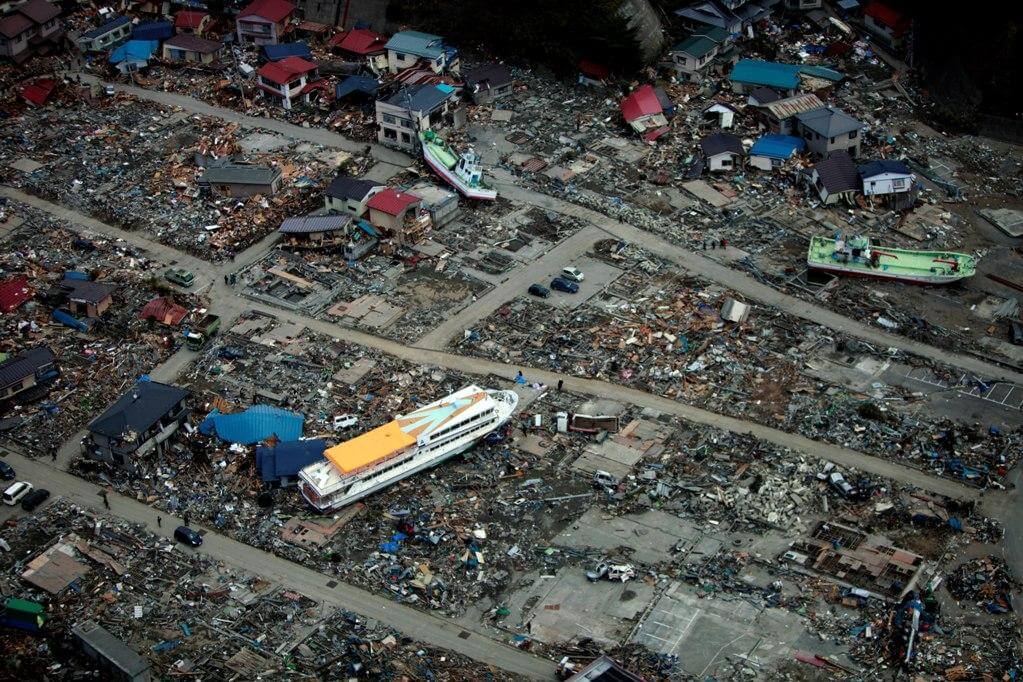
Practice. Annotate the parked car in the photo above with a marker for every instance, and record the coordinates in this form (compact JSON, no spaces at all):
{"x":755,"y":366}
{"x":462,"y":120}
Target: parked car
{"x":539,"y":290}
{"x":109,"y":90}
{"x":344,"y":421}
{"x":622,"y":572}
{"x":562,"y":284}
{"x":494,"y":438}
{"x":573,"y":274}
{"x":604,"y":479}
{"x":17,"y":491}
{"x":179,"y":276}
{"x":1016,"y":333}
{"x":6,"y":471}
{"x":187,"y":536}
{"x":34,"y":499}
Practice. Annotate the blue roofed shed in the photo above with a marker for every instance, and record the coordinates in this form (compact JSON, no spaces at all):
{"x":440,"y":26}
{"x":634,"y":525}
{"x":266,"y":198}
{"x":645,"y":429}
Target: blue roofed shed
{"x":153,"y":30}
{"x":753,"y":72}
{"x":274,"y":53}
{"x":280,"y":464}
{"x":254,"y":425}
{"x":771,"y":151}
{"x":134,"y":52}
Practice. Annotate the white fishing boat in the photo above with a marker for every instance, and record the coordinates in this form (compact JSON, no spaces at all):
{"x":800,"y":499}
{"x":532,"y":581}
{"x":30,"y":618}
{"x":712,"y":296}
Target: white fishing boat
{"x":403,"y":447}
{"x":461,"y":171}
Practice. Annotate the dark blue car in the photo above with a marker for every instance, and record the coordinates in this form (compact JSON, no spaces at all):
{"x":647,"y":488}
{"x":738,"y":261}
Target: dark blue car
{"x":561,"y":284}
{"x":187,"y":536}
{"x":539,"y":290}
{"x":6,"y":471}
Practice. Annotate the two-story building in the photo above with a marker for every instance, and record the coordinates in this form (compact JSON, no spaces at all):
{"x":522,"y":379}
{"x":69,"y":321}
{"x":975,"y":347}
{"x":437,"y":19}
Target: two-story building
{"x":30,"y":28}
{"x":362,"y":45}
{"x":829,"y":129}
{"x":888,"y":26}
{"x":106,"y":36}
{"x":26,"y":370}
{"x":890,"y":181}
{"x":780,"y":115}
{"x":410,"y":110}
{"x":350,"y":195}
{"x":408,"y":48}
{"x":139,"y":423}
{"x":835,"y":178}
{"x":693,"y":55}
{"x":263,"y":22}
{"x":288,"y":81}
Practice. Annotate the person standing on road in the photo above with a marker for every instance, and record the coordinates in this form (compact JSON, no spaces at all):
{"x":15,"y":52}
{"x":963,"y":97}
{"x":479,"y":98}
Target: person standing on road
{"x":159,"y":522}
{"x":561,"y":384}
{"x":106,"y":500}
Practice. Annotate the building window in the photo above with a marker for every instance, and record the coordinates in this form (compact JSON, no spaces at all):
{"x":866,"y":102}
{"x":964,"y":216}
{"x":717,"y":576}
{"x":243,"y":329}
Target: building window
{"x":390,"y":119}
{"x":898,"y":183}
{"x":726,"y":163}
{"x":853,"y":134}
{"x":390,"y":134}
{"x":405,"y":123}
{"x":399,"y":56}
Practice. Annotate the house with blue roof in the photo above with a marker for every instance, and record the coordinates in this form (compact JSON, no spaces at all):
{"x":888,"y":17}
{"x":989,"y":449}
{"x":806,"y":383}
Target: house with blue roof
{"x":275,"y":53}
{"x":772,"y":151}
{"x":750,"y":74}
{"x":411,"y":110}
{"x":408,"y":48}
{"x":279,"y":465}
{"x":152,"y":30}
{"x":108,"y":35}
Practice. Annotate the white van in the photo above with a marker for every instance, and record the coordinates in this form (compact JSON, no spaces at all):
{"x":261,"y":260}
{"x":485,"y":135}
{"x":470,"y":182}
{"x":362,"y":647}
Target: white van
{"x":16,"y":492}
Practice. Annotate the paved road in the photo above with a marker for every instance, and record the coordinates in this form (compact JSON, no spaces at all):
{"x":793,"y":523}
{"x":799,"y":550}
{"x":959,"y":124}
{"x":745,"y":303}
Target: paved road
{"x":229,"y":304}
{"x":691,"y":261}
{"x":316,"y":135}
{"x":521,"y":277}
{"x":419,"y":625}
{"x":746,"y":285}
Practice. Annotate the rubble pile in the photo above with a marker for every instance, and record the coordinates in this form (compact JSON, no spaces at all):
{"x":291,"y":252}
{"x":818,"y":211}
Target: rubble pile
{"x":986,"y":581}
{"x":135,"y":165}
{"x":94,"y":367}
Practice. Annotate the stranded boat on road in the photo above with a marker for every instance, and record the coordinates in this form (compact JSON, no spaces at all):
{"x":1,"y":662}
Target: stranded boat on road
{"x":461,"y":171}
{"x":858,"y":257}
{"x":419,"y":440}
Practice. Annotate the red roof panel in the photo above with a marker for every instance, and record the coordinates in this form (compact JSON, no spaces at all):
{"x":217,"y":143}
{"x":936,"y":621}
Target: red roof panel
{"x":272,"y":10}
{"x":38,"y":92}
{"x":189,"y":18}
{"x":592,"y":70}
{"x":359,"y":41}
{"x":164,"y":310}
{"x":14,"y":292}
{"x":392,"y":202}
{"x":889,"y":17}
{"x":642,"y":102}
{"x":285,"y":70}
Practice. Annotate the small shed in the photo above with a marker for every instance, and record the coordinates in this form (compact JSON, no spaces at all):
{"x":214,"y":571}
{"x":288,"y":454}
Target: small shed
{"x":241,"y":181}
{"x":721,"y":152}
{"x":279,"y":464}
{"x":772,"y":151}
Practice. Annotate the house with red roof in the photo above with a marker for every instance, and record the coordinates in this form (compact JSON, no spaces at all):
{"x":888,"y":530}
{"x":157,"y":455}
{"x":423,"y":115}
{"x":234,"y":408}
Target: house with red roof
{"x":362,"y":45}
{"x":263,"y":22}
{"x":401,"y":214}
{"x":30,"y":28}
{"x":14,"y":292}
{"x":191,"y":22}
{"x":643,"y":111}
{"x":290,"y":80}
{"x":888,"y":25}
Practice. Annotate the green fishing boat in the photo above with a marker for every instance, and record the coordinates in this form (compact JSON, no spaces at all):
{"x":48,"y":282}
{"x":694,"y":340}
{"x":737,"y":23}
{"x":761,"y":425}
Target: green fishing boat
{"x":857,"y":256}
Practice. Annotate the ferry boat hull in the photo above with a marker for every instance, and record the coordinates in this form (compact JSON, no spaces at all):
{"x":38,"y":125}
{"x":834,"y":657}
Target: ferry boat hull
{"x":327,"y":488}
{"x":902,"y":265}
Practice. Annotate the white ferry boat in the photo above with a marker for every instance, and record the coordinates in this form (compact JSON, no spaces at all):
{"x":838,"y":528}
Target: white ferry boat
{"x":419,"y":440}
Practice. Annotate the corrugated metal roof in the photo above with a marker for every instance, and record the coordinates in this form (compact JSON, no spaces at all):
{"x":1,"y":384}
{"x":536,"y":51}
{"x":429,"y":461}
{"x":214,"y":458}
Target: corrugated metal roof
{"x":273,"y":10}
{"x":414,"y":42}
{"x":791,"y":106}
{"x":777,"y":146}
{"x":391,"y":201}
{"x":14,"y":292}
{"x":640,"y":103}
{"x":278,"y":52}
{"x":322,"y":223}
{"x":287,"y":459}
{"x":105,"y":28}
{"x":239,"y":175}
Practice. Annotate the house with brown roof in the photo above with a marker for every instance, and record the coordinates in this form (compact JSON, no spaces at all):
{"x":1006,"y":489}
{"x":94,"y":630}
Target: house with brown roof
{"x":186,"y":47}
{"x":30,"y":28}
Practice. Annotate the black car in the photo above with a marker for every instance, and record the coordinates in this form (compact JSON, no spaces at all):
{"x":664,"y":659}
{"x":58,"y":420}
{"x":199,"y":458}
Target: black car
{"x":187,"y":536}
{"x":6,"y":471}
{"x":562,"y":284}
{"x":34,"y":499}
{"x":539,"y":290}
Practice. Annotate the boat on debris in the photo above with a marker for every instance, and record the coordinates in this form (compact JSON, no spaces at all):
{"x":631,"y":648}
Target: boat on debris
{"x":403,"y":447}
{"x":461,"y":171}
{"x":857,"y":256}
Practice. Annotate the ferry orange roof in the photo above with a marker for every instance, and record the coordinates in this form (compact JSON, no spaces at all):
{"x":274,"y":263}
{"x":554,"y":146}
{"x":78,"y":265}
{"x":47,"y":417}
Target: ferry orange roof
{"x":369,"y":448}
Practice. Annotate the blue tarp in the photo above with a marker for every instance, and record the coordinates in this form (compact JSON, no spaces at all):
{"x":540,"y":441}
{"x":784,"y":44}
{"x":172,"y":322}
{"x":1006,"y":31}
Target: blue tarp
{"x":287,"y":459}
{"x":255,"y":424}
{"x":363,"y":84}
{"x":777,"y":146}
{"x":276,"y":52}
{"x":134,"y":51}
{"x":153,"y":30}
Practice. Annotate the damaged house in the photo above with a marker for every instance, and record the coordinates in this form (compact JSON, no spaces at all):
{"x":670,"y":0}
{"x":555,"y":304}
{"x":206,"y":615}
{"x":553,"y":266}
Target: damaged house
{"x":362,"y":45}
{"x":401,"y":214}
{"x":140,"y":422}
{"x":413,"y":108}
{"x":86,"y":298}
{"x":241,"y":181}
{"x":721,"y":152}
{"x":349,"y":195}
{"x":26,"y":371}
{"x":290,"y":80}
{"x":828,"y":130}
{"x":409,"y":48}
{"x":263,"y":22}
{"x":890,"y":181}
{"x":30,"y":28}
{"x":835,"y":178}
{"x":643,"y":111}
{"x":488,"y":83}
{"x":316,"y":232}
{"x":692,"y":56}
